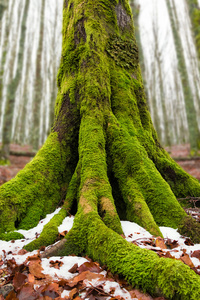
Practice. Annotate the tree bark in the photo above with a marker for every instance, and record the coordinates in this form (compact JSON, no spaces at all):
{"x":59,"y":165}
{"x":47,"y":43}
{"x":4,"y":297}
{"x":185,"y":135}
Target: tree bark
{"x":194,"y":134}
{"x":102,"y":144}
{"x":11,"y":91}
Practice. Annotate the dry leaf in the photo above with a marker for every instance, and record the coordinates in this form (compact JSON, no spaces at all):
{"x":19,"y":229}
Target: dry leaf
{"x":186,"y":259}
{"x":196,"y":254}
{"x":22,"y":252}
{"x":19,"y":280}
{"x":73,"y":293}
{"x":36,"y":269}
{"x":56,"y":264}
{"x":160,"y":243}
{"x":73,"y":269}
{"x":11,"y":296}
{"x":26,"y":292}
{"x":90,"y":266}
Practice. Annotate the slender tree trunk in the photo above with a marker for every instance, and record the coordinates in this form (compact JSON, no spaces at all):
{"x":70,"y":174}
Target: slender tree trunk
{"x":194,"y":11}
{"x":38,"y":84}
{"x":11,"y":91}
{"x":102,"y":144}
{"x":194,"y":135}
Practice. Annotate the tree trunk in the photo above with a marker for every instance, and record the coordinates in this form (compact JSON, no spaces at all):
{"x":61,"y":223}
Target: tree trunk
{"x":38,"y":84}
{"x":194,"y":11}
{"x":103,"y":144}
{"x":11,"y":91}
{"x":194,"y":134}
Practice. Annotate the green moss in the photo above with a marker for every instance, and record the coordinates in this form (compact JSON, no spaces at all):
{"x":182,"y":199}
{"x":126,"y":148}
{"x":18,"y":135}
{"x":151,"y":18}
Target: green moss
{"x":31,"y":194}
{"x":49,"y":233}
{"x":11,"y":236}
{"x":189,"y":227}
{"x":124,"y":52}
{"x":142,"y":268}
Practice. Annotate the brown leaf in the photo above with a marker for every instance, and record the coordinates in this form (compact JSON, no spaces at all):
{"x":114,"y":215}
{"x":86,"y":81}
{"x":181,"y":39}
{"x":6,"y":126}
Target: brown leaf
{"x":186,"y":259}
{"x":26,"y":292}
{"x":196,"y":254}
{"x":55,"y":264}
{"x":172,"y":243}
{"x":90,"y":266}
{"x":84,"y":275}
{"x":45,"y":298}
{"x":22,"y":252}
{"x":34,"y":257}
{"x":141,"y":296}
{"x":63,"y":234}
{"x":35,"y":269}
{"x":188,"y":242}
{"x":11,"y":296}
{"x":73,"y":293}
{"x":160,"y":243}
{"x":52,"y":287}
{"x":73,"y":269}
{"x":19,"y":280}
{"x":31,"y":278}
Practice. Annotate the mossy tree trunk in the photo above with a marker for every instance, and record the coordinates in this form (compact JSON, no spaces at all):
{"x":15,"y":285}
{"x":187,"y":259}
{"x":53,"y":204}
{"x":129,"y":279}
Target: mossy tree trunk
{"x":194,"y":10}
{"x":102,"y":159}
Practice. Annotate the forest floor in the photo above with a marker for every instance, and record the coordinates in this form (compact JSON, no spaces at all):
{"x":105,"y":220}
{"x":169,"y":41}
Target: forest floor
{"x":28,"y":276}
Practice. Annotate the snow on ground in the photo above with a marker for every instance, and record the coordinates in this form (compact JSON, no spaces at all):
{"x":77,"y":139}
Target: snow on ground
{"x":178,"y":247}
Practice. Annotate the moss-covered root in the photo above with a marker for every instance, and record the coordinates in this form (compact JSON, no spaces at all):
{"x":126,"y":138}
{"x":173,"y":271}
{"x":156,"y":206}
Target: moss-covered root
{"x":142,"y":268}
{"x":148,"y":197}
{"x":189,"y":227}
{"x":50,"y":230}
{"x":36,"y":190}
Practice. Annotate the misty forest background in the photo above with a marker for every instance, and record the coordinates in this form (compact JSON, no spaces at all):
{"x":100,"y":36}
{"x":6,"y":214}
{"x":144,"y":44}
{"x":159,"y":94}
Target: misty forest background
{"x":168,"y":35}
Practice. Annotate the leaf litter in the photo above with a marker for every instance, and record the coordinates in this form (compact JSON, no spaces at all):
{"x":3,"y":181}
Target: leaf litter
{"x":25,"y":275}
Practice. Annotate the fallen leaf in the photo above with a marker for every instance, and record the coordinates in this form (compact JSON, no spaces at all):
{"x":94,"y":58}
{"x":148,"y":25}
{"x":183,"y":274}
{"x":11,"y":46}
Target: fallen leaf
{"x":63,"y":234}
{"x":34,"y":257}
{"x":186,"y":259}
{"x":19,"y":280}
{"x":36,"y":269}
{"x":11,"y":296}
{"x":73,"y":293}
{"x":188,"y":242}
{"x":85,"y":275}
{"x":45,"y":298}
{"x":141,"y":296}
{"x":55,"y":264}
{"x":73,"y":269}
{"x":196,"y":254}
{"x":172,"y":243}
{"x":26,"y":292}
{"x":90,"y":266}
{"x":22,"y":252}
{"x":31,"y":278}
{"x":160,"y":243}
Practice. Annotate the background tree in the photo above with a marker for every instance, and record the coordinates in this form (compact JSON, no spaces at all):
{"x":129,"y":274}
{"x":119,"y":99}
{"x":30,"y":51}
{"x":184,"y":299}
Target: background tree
{"x":103,"y":160}
{"x":194,"y":134}
{"x":38,"y":84}
{"x":194,"y":11}
{"x":11,"y":91}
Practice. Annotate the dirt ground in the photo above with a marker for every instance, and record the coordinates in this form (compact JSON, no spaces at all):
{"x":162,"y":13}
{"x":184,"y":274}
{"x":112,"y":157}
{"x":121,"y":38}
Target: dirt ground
{"x":179,"y":152}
